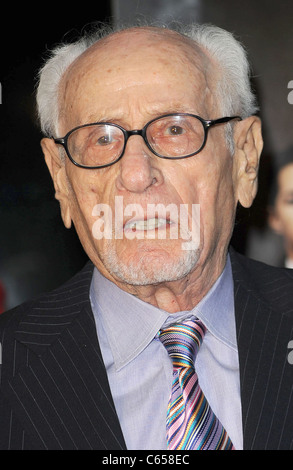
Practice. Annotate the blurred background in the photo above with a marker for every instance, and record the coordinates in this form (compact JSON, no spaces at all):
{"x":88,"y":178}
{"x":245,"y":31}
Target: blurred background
{"x":36,"y":252}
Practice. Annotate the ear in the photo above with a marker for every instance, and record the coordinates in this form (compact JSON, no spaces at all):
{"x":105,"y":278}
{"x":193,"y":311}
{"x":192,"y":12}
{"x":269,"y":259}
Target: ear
{"x":248,"y":147}
{"x":59,"y":177}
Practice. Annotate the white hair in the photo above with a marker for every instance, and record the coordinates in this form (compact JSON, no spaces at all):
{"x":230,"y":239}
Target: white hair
{"x":233,"y":87}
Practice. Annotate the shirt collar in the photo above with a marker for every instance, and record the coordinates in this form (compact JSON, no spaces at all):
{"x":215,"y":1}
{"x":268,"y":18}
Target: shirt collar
{"x":216,"y":309}
{"x":130,"y":323}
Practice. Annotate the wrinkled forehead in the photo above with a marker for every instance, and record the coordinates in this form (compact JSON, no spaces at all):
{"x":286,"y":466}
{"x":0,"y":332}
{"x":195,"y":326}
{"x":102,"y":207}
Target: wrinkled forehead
{"x":126,"y":49}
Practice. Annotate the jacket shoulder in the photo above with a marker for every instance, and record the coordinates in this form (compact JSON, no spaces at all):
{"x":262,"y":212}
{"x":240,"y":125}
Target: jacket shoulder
{"x":73,"y":291}
{"x":274,"y":285}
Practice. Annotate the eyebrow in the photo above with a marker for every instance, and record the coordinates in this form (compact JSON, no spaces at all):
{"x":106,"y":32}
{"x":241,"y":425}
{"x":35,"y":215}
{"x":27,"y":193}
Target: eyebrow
{"x":155,"y":112}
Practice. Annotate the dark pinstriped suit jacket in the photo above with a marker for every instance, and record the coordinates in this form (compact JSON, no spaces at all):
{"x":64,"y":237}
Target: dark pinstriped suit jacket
{"x":54,"y":391}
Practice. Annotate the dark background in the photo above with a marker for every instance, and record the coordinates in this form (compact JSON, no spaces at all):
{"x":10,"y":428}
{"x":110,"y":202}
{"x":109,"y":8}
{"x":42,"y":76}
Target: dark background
{"x":36,"y":252}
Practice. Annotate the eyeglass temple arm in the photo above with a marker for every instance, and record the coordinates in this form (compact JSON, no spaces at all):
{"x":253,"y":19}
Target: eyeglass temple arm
{"x":213,"y":122}
{"x":59,"y":141}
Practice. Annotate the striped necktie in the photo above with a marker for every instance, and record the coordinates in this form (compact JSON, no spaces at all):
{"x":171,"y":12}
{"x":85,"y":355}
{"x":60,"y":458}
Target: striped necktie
{"x":191,"y":423}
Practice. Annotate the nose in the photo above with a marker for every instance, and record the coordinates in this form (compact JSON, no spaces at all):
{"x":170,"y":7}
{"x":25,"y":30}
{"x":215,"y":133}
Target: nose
{"x":138,"y":167}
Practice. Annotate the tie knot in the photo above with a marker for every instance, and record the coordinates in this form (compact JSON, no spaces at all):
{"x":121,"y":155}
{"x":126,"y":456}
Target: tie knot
{"x":182,"y":341}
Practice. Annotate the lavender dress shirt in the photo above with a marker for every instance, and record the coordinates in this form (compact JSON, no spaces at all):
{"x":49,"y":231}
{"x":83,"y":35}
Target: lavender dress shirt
{"x":139,"y":369}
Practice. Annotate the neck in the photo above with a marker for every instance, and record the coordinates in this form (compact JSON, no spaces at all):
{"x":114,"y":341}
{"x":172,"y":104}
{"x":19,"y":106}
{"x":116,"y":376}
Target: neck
{"x":183,"y":294}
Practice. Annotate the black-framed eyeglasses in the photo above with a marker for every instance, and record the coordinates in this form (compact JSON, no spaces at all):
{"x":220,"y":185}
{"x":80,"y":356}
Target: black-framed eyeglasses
{"x":172,"y":136}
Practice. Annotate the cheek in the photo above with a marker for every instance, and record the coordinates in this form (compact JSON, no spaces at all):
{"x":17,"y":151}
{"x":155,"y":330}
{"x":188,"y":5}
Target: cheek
{"x":210,"y":185}
{"x":217,"y":202}
{"x":88,"y":185}
{"x":207,"y":176}
{"x":87,"y":190}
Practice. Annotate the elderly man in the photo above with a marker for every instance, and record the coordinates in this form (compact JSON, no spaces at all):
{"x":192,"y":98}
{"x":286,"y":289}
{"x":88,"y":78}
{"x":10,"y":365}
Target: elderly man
{"x":166,"y":339}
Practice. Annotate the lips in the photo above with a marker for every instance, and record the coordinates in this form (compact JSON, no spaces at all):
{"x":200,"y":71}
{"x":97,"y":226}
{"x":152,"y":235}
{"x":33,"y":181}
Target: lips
{"x":151,"y":223}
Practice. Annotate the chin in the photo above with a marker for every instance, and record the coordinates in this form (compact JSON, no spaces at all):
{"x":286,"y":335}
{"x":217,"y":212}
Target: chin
{"x":150,"y":267}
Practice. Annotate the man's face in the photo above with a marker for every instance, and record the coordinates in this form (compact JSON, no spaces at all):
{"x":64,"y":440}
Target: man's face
{"x":131,"y":79}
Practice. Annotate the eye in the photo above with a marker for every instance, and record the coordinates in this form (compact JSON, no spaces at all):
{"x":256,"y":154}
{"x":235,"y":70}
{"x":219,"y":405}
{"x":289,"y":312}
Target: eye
{"x":105,"y":140}
{"x":175,"y":130}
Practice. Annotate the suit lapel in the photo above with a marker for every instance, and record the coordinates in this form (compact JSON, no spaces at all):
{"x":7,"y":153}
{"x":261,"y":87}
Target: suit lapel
{"x":266,"y":377}
{"x":62,"y":396}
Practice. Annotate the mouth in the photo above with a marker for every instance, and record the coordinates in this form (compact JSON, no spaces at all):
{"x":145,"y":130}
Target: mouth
{"x":142,"y":225}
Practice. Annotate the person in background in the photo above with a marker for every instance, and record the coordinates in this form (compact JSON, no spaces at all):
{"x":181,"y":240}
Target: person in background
{"x":280,"y":210}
